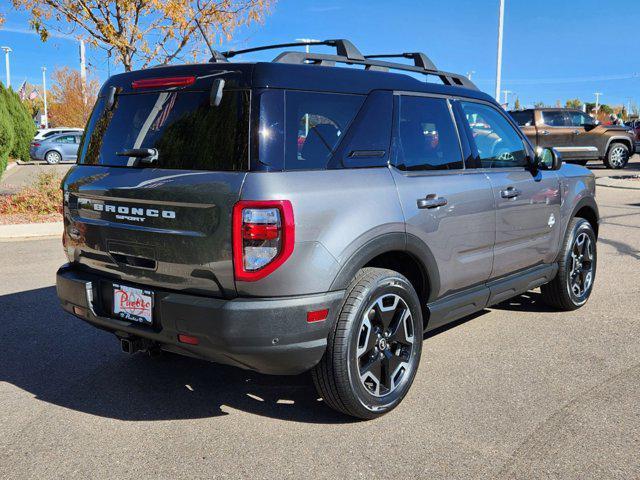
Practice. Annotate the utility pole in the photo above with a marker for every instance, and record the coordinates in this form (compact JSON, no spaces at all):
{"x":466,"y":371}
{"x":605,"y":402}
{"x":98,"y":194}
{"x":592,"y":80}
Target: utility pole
{"x":307,"y":49}
{"x":499,"y":60}
{"x":470,"y":73}
{"x":597,"y":94}
{"x":7,"y":51}
{"x":506,"y":96}
{"x":44,"y":95}
{"x":83,"y":72}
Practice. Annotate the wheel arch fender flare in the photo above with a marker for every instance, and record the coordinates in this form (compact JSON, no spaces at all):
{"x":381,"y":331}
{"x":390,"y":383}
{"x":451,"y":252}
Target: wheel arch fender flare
{"x":590,"y":204}
{"x":619,"y":139}
{"x":386,"y":243}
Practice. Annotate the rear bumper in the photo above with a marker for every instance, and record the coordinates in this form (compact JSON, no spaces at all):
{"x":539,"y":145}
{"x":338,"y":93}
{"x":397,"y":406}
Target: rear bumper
{"x":266,"y":335}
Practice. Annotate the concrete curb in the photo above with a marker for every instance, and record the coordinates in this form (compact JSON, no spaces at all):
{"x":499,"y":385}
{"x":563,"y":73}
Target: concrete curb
{"x":42,"y":162}
{"x":11,"y":166}
{"x":27,"y":230}
{"x":618,"y":183}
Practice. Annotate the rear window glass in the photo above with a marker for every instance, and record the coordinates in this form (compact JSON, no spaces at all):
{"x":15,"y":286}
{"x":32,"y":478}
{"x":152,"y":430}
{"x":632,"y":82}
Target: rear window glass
{"x":186,"y":130}
{"x":315,"y":123}
{"x":523,"y":118}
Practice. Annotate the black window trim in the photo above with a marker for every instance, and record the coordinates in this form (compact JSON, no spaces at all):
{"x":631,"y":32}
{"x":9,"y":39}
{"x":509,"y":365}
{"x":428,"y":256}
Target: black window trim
{"x":392,"y":160}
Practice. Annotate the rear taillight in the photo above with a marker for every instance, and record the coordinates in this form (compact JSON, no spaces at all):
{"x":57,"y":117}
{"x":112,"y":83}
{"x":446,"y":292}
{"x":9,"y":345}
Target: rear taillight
{"x":163,"y":82}
{"x":35,"y":144}
{"x":263,"y":237}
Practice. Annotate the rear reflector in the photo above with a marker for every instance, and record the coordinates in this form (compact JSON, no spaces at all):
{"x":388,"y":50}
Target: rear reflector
{"x":188,"y":339}
{"x":317,"y":316}
{"x":163,"y":82}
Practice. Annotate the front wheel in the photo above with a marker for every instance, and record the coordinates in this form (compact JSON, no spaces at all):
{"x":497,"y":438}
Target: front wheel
{"x":576,"y":269}
{"x":617,"y":156}
{"x":373,"y":353}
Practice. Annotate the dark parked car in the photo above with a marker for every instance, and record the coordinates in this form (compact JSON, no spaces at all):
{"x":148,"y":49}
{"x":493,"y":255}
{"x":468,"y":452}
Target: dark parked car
{"x":576,"y":135}
{"x":296,"y":215}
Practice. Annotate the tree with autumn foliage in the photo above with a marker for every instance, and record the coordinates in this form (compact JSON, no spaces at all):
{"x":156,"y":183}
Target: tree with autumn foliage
{"x":139,"y":33}
{"x":68,"y":107}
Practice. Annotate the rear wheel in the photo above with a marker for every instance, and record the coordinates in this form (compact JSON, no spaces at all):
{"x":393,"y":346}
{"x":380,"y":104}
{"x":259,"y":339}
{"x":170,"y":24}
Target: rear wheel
{"x":53,"y":157}
{"x":374,"y":351}
{"x":617,"y":156}
{"x":577,"y":268}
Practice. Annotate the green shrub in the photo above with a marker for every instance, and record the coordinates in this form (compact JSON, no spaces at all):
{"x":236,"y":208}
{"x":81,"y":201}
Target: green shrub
{"x":7,"y":136}
{"x":23,"y":126}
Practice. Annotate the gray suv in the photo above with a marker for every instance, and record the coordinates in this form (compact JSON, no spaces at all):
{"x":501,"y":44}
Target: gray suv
{"x":293,"y":215}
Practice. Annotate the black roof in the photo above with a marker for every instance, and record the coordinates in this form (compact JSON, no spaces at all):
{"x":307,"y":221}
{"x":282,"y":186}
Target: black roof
{"x":292,"y":76}
{"x":314,"y":71}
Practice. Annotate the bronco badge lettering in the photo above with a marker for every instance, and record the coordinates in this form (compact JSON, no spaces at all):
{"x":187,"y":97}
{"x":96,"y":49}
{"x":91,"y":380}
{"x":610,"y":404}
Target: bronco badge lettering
{"x":136,"y":214}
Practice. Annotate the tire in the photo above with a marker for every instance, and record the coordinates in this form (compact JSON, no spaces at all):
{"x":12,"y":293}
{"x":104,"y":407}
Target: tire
{"x":577,"y":262}
{"x":617,"y":156}
{"x":580,"y":162}
{"x":363,"y":372}
{"x":52,"y":157}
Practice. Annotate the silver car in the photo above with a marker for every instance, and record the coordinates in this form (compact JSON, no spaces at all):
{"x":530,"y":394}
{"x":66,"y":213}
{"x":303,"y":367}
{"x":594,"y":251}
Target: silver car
{"x":56,"y":148}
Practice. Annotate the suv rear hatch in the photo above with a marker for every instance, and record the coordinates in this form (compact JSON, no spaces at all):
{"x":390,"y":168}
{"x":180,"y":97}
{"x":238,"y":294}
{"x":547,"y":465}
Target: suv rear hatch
{"x":161,"y":218}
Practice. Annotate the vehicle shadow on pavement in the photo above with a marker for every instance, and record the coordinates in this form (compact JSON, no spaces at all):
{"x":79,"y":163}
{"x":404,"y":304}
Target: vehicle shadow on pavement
{"x":527,"y":302}
{"x":63,"y":361}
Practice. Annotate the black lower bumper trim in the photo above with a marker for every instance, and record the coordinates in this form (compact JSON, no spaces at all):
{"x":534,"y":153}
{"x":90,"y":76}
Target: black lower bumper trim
{"x":269,"y":335}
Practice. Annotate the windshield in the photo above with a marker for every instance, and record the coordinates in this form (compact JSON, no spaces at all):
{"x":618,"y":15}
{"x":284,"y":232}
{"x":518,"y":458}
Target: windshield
{"x":187,"y":132}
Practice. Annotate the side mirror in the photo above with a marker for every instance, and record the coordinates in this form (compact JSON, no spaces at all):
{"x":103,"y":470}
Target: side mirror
{"x":548,"y":159}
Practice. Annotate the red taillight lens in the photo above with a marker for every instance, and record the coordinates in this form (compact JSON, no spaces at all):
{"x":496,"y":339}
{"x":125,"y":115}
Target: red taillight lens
{"x":188,"y":339}
{"x":35,"y":144}
{"x":263,"y":237}
{"x":163,"y":82}
{"x":317,"y":315}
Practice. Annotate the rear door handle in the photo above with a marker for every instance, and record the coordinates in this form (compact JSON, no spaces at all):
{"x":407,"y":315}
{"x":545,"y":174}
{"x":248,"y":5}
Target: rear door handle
{"x":544,"y":132}
{"x":576,"y":132}
{"x":510,"y":192}
{"x":432,"y":201}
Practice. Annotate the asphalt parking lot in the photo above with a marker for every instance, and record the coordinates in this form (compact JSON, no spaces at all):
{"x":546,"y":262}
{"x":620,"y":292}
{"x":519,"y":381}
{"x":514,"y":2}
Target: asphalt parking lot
{"x":517,"y":391}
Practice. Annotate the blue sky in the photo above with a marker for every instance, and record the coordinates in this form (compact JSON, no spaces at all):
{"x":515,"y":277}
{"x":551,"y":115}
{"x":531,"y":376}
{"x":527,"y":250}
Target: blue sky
{"x":552,"y":49}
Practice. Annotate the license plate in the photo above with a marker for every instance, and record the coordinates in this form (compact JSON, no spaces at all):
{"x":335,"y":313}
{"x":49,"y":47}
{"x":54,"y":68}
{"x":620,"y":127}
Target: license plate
{"x":133,"y":304}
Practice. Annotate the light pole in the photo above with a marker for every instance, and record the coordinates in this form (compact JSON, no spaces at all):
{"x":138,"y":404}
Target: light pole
{"x":44,"y":94}
{"x":597,"y":94}
{"x":7,"y":50}
{"x":469,"y":74}
{"x":307,"y":49}
{"x":506,"y":96}
{"x":499,"y":60}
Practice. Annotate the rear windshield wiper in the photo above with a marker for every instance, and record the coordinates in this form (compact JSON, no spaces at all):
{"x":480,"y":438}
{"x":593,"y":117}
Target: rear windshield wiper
{"x":146,"y":155}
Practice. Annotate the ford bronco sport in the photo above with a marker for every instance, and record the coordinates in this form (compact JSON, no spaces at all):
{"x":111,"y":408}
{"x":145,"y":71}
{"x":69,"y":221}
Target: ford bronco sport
{"x":576,"y":135}
{"x":294,"y":215}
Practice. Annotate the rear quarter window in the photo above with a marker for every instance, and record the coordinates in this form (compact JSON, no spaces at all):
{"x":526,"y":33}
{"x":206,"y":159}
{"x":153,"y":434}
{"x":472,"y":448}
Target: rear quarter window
{"x":314,"y":125}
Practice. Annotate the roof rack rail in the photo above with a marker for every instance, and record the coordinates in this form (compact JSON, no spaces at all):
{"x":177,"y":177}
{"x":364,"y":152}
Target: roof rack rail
{"x":419,"y":59}
{"x":344,"y":48}
{"x":347,"y":53}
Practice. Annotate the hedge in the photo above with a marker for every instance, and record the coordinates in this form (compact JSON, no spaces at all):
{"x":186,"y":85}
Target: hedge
{"x":16,"y":128}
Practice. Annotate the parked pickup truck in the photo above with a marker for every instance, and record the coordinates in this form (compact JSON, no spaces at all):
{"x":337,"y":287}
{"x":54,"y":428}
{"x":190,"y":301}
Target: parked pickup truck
{"x":576,"y":135}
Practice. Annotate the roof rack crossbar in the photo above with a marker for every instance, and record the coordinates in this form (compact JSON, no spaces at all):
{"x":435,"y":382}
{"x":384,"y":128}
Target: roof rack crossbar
{"x":452,"y":79}
{"x":419,"y":59}
{"x":344,"y":48}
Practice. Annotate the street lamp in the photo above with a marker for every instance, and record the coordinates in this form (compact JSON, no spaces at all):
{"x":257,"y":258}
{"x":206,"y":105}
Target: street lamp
{"x":307,"y":49}
{"x":597,"y":94}
{"x":499,"y":60}
{"x":44,"y":93}
{"x":7,"y":50}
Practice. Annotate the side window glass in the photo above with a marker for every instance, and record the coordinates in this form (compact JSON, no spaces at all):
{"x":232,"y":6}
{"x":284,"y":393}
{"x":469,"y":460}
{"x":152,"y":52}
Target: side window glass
{"x":554,"y":118}
{"x":426,"y":135}
{"x":498,"y":143}
{"x":579,"y":119}
{"x":315,"y":123}
{"x":65,"y":139}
